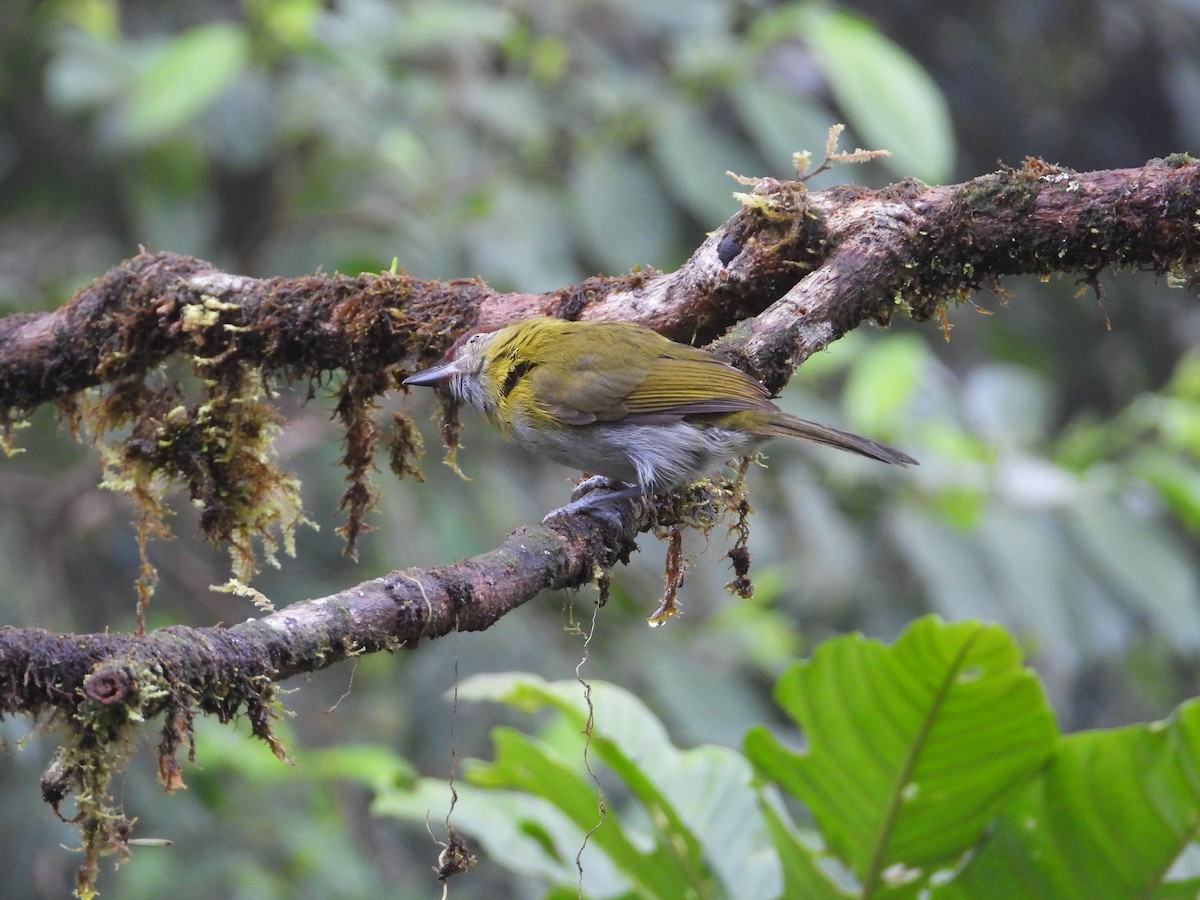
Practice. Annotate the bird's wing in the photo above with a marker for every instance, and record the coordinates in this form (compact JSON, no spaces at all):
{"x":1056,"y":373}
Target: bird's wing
{"x":692,"y":382}
{"x":579,"y":386}
{"x":622,"y":382}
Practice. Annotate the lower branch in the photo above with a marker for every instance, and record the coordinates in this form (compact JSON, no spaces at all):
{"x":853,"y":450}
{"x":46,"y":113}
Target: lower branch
{"x":221,"y":669}
{"x":102,"y":688}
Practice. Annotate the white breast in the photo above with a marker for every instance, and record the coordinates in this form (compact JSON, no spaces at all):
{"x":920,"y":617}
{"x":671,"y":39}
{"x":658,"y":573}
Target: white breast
{"x":657,"y":457}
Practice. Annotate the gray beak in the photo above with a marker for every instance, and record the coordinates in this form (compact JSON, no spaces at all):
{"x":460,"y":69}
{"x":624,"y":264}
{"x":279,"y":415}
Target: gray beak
{"x":435,"y":377}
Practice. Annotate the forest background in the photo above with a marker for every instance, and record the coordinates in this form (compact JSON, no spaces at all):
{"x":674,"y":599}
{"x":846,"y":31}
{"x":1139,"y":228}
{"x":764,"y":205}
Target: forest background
{"x":534,"y":144}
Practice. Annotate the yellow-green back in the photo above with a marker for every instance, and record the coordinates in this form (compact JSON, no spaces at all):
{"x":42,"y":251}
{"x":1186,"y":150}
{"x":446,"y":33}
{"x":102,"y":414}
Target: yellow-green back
{"x":577,"y":373}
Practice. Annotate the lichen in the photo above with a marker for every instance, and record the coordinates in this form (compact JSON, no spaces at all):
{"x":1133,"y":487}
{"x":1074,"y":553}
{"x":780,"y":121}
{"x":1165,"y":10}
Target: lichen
{"x":702,"y":506}
{"x":219,"y":444}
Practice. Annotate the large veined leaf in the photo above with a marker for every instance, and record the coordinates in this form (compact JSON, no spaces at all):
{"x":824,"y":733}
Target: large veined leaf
{"x":933,"y":769}
{"x":912,"y":749}
{"x":802,"y":875}
{"x":1107,"y":818}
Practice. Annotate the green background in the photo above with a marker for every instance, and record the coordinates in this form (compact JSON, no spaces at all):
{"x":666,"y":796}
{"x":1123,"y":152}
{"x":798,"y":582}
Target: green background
{"x":533,"y":144}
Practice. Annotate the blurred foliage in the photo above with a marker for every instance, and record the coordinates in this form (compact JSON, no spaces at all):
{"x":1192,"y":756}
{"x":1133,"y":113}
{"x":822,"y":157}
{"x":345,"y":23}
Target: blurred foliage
{"x":525,"y":141}
{"x":533,"y":143}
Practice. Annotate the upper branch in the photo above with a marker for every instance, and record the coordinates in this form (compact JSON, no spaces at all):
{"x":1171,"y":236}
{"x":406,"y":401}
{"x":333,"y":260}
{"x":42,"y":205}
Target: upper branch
{"x":915,"y":249}
{"x":907,"y":247}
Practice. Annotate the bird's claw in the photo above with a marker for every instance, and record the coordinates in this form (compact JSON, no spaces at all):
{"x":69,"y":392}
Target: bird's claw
{"x":595,"y":496}
{"x":593,"y":484}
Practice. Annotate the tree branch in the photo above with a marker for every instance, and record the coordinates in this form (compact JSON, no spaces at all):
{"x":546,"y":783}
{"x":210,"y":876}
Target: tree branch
{"x":801,"y":269}
{"x":221,"y":669}
{"x":809,"y":266}
{"x":788,"y":274}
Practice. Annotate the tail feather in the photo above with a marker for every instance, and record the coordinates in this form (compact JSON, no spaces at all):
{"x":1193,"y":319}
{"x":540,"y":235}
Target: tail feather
{"x":802,"y":429}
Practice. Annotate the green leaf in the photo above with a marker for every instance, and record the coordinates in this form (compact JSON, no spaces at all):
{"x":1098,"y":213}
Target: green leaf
{"x":890,"y":101}
{"x":289,"y":22}
{"x":623,"y":215}
{"x":961,"y":506}
{"x":1177,"y":482}
{"x":223,"y":747}
{"x":1179,"y":890}
{"x":527,"y":765}
{"x":180,"y":79}
{"x":1185,"y":380}
{"x":694,"y":155}
{"x":372,"y":764}
{"x":882,"y":380}
{"x":1147,"y":564}
{"x":1107,"y":818}
{"x":701,"y":810}
{"x":801,"y":875}
{"x":912,"y":749}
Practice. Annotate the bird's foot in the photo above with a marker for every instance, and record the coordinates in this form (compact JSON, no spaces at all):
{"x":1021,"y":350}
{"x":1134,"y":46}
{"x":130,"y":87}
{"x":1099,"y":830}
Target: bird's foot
{"x":594,"y":496}
{"x":602,"y":489}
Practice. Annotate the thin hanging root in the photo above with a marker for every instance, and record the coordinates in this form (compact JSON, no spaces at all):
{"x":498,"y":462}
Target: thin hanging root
{"x":739,"y":553}
{"x":675,"y":568}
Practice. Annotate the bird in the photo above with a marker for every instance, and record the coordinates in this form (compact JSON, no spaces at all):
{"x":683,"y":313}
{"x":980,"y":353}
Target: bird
{"x":623,"y":402}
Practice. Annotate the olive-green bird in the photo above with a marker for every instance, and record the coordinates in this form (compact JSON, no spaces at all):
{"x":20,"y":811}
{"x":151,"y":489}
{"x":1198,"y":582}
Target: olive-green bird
{"x":623,"y":401}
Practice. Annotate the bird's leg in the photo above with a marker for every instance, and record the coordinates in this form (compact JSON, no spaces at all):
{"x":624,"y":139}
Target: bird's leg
{"x":602,"y":489}
{"x":593,"y":495}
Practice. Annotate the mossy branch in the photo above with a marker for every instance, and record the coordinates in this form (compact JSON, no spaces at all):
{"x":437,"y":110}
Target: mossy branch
{"x":102,"y":688}
{"x":789,"y":273}
{"x":785,"y":276}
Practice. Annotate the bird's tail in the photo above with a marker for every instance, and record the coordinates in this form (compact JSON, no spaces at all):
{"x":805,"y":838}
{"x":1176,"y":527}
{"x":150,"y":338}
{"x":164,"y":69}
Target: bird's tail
{"x":790,"y":426}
